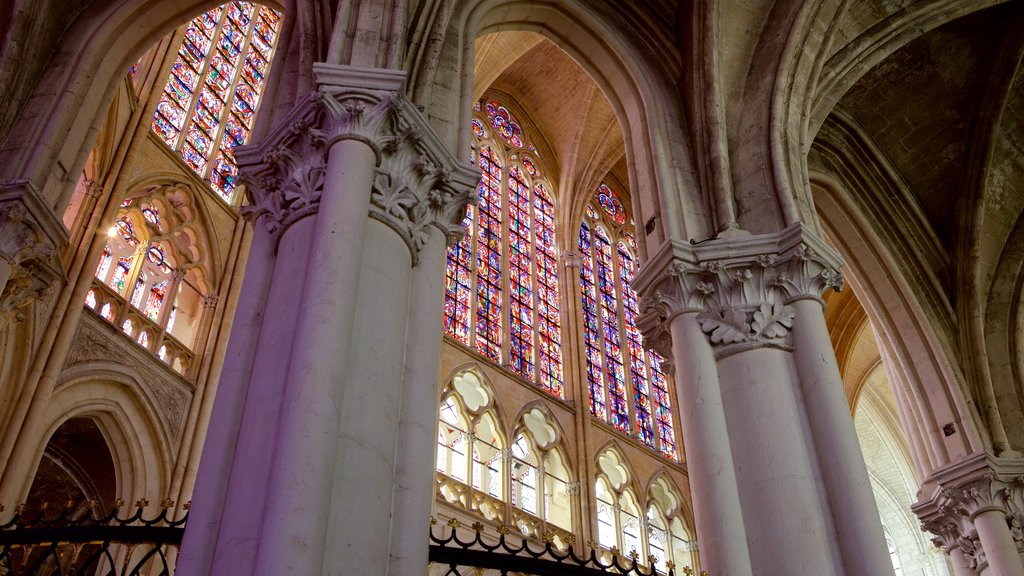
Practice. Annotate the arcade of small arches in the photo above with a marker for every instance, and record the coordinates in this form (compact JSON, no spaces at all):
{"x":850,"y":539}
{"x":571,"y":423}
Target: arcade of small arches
{"x":569,"y":271}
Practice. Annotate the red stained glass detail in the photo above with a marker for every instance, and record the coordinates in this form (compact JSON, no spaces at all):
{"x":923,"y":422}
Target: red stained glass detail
{"x":520,"y":276}
{"x":458,"y":287}
{"x":634,"y":345}
{"x":488,"y":256}
{"x":611,"y":204}
{"x":549,"y":338}
{"x":504,"y":124}
{"x":591,"y":328}
{"x":204,"y":127}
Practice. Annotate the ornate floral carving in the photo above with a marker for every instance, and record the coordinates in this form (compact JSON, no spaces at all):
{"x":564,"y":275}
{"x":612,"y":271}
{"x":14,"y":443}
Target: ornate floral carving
{"x":572,"y":259}
{"x":417,"y":182}
{"x":968,"y":489}
{"x":740,"y":295}
{"x":29,"y":252}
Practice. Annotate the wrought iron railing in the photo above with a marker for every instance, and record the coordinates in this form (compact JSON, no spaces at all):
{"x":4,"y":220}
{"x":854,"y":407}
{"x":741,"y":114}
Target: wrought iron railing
{"x":81,"y":540}
{"x":504,"y":555}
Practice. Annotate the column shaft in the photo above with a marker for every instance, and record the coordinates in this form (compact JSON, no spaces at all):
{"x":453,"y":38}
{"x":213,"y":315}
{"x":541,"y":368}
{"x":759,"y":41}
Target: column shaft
{"x":415,"y":456}
{"x":854,"y":511}
{"x":789,"y":530}
{"x":215,"y":466}
{"x":305,"y":451}
{"x":363,"y":474}
{"x":253,"y":448}
{"x":997,"y":541}
{"x":716,"y":503}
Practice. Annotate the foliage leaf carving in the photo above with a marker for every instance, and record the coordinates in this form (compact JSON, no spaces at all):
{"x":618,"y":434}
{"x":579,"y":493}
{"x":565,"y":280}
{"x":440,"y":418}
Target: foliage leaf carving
{"x":773,"y":320}
{"x":726,"y":326}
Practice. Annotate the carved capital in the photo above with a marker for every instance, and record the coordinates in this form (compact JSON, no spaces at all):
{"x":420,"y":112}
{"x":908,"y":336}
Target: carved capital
{"x":572,"y":488}
{"x":417,"y":183}
{"x":91,"y":188}
{"x":966,"y":489}
{"x":208,"y":301}
{"x":741,"y":289}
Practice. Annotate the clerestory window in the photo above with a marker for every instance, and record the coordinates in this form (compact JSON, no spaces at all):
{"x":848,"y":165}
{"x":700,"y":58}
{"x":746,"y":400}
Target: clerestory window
{"x":627,"y":385}
{"x":209,"y":103}
{"x":501,"y":295}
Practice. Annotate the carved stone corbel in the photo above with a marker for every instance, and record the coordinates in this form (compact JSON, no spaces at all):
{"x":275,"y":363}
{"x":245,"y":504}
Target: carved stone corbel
{"x":29,"y":236}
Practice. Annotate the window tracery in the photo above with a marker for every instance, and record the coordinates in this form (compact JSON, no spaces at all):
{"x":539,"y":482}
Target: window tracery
{"x":147,"y":274}
{"x":627,"y":385}
{"x":209,"y":102}
{"x":501,"y":295}
{"x":527,"y":485}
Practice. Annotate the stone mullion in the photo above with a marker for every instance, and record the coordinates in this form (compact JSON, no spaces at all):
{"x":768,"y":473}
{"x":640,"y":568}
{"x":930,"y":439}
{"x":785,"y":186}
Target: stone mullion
{"x":575,"y":373}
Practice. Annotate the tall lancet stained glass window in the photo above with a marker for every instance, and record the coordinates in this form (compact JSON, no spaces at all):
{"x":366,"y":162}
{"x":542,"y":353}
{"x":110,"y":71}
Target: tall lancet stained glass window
{"x":209,"y":103}
{"x":501,"y":297}
{"x":627,"y":384}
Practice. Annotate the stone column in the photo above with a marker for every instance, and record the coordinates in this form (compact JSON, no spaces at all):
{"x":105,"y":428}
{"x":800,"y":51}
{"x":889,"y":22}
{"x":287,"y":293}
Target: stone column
{"x":353,"y":186}
{"x":976,"y":513}
{"x":674,"y":331}
{"x":759,"y":461}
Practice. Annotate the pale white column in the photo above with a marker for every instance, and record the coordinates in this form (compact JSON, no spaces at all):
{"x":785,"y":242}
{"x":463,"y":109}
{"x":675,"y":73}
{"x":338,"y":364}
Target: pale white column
{"x":784,"y":508}
{"x":709,"y":457}
{"x":854,"y":510}
{"x":997,"y":541}
{"x":360,"y":505}
{"x":215,"y":466}
{"x":296,"y":517}
{"x":415,"y":457}
{"x":253,"y":459}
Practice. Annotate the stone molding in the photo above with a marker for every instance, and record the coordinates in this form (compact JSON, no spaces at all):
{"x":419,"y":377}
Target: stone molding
{"x":975,"y":485}
{"x":97,"y":342}
{"x":417,"y":182}
{"x":741,"y":289}
{"x":572,"y":259}
{"x":29,"y":236}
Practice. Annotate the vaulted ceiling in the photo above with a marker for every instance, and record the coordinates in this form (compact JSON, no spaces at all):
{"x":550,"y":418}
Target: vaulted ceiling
{"x":579,"y":136}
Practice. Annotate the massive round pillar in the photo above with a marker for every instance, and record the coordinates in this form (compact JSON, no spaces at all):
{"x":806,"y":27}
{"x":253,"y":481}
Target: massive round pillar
{"x":769,"y":440}
{"x":355,"y":195}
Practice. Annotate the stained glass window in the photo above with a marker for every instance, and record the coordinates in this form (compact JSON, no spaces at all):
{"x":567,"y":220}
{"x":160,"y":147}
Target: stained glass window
{"x":501,"y":284}
{"x":618,"y":413}
{"x":136,"y":271}
{"x":207,"y":107}
{"x":520,"y":276}
{"x":611,"y":204}
{"x":458,"y":284}
{"x":627,"y":385}
{"x":505,"y":124}
{"x":488,"y":258}
{"x":549,"y":338}
{"x":637,"y":367}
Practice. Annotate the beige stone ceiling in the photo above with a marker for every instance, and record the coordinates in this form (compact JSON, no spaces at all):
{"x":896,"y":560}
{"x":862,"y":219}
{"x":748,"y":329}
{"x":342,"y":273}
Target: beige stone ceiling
{"x":576,"y":130}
